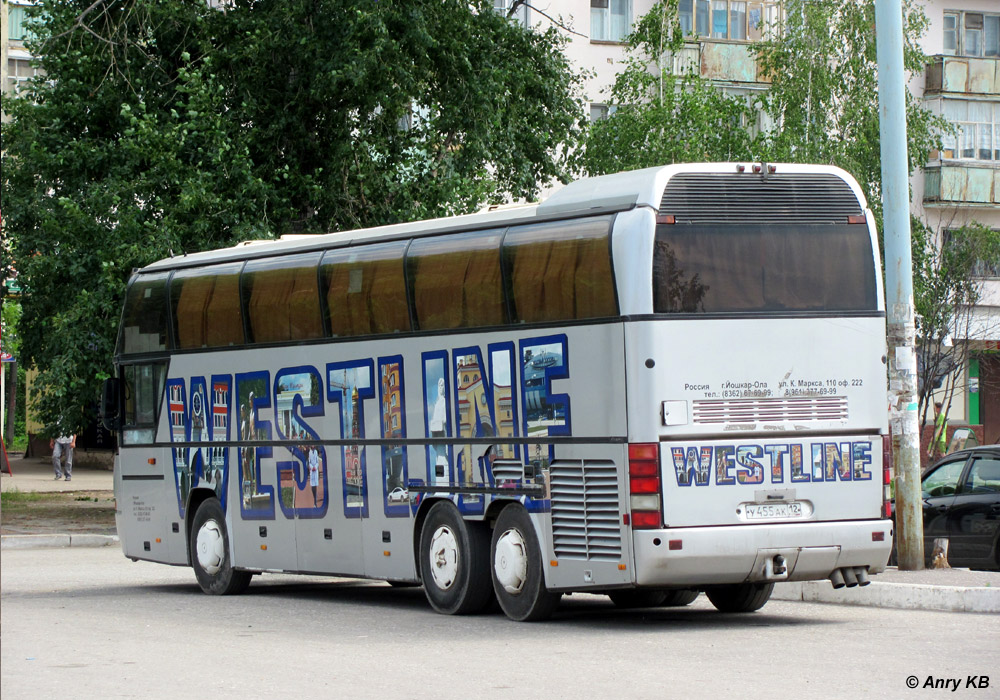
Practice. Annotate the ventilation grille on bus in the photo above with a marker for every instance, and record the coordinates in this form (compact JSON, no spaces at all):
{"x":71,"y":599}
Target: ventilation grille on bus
{"x":506,"y":470}
{"x":770,"y":410}
{"x":700,"y":198}
{"x":586,"y":523}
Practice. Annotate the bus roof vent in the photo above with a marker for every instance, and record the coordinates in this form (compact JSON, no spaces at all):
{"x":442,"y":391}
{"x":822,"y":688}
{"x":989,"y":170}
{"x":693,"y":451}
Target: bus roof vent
{"x":701,"y":198}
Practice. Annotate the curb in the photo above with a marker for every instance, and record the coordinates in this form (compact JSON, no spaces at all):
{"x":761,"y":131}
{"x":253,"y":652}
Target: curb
{"x":903,"y":596}
{"x":49,"y":541}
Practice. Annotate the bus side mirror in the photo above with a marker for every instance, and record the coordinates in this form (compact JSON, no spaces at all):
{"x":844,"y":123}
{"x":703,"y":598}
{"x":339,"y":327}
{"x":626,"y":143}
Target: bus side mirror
{"x":110,"y":418}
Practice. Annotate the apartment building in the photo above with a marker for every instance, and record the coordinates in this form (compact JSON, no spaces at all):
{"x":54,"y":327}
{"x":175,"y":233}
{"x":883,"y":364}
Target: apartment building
{"x":16,"y":64}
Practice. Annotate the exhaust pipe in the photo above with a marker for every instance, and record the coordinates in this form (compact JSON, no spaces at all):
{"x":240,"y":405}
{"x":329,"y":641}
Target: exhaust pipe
{"x":837,"y":579}
{"x":862,"y":575}
{"x":849,"y":578}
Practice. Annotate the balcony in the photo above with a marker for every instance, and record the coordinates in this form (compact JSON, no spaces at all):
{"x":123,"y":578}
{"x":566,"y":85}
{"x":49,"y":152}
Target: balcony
{"x":966,"y":184}
{"x":962,"y":75}
{"x":720,"y":61}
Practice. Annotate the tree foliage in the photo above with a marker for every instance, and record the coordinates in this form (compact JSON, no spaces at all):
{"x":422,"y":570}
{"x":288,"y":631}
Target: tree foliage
{"x":822,"y":98}
{"x":170,"y":127}
{"x":666,"y":113}
{"x":948,"y":279}
{"x":823,"y":94}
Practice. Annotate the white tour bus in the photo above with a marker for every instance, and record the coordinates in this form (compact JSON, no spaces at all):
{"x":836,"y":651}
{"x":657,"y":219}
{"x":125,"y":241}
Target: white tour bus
{"x":652,"y":384}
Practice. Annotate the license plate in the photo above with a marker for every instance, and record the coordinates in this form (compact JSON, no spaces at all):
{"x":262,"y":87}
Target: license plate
{"x":773,"y":511}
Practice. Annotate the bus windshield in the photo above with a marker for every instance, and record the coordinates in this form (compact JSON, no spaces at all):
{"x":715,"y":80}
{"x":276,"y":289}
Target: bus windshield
{"x":709,"y":268}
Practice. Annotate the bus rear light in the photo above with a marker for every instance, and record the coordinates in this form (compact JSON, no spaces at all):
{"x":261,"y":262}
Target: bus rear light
{"x":666,"y":219}
{"x":675,"y":544}
{"x":856,"y":219}
{"x":645,"y":501}
{"x":878,"y":537}
{"x":645,"y":520}
{"x":644,"y":485}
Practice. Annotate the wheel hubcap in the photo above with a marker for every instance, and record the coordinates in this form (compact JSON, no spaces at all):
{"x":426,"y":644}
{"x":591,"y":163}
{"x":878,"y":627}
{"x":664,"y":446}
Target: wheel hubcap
{"x":510,"y":563}
{"x":211,"y":547}
{"x":444,"y":558}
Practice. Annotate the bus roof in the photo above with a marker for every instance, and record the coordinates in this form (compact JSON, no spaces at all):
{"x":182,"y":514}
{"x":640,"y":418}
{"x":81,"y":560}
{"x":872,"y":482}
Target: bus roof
{"x":584,"y":197}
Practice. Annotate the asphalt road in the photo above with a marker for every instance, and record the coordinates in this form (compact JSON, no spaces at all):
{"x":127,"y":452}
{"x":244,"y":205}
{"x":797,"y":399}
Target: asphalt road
{"x":87,"y":623}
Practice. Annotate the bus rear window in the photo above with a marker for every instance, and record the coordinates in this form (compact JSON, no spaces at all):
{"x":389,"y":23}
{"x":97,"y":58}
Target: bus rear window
{"x":365,"y":290}
{"x":763,"y":268}
{"x":206,"y":303}
{"x":144,"y":322}
{"x":560,"y":271}
{"x":456,"y":281}
{"x":282,"y":297}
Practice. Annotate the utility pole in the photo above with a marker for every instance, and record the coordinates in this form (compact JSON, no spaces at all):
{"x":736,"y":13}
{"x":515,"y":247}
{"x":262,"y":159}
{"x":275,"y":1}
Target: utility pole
{"x":899,"y":284}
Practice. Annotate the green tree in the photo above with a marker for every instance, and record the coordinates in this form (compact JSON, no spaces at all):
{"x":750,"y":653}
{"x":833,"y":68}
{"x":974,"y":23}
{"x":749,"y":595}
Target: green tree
{"x":379,"y":112}
{"x":169,"y":127}
{"x":666,"y":113}
{"x":948,"y":282}
{"x":113,"y":158}
{"x":823,"y":95}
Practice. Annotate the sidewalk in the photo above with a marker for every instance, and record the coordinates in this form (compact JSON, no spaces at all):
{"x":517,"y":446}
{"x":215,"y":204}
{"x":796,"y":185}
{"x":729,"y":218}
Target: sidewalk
{"x":957,"y":590}
{"x":91,"y":472}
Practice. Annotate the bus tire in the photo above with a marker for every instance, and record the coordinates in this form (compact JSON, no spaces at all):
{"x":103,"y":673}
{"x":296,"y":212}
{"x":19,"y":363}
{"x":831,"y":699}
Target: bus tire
{"x":453,"y":561}
{"x":210,"y":552}
{"x":679,"y":598}
{"x":518,"y":578}
{"x":740,"y":598}
{"x":637,"y":598}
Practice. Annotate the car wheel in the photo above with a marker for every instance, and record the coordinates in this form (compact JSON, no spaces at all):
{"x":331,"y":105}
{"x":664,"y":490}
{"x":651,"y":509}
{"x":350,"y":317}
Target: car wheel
{"x":453,"y":561}
{"x":518,"y":579}
{"x":741,"y":598}
{"x":210,"y":557}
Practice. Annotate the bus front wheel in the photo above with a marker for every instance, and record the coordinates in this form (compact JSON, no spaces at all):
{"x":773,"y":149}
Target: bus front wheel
{"x":518,"y":579}
{"x":453,"y":565}
{"x":740,"y":598}
{"x":210,"y":556}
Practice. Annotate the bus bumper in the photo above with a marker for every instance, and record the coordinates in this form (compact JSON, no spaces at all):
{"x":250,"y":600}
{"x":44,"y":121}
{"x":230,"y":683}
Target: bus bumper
{"x":719,"y":555}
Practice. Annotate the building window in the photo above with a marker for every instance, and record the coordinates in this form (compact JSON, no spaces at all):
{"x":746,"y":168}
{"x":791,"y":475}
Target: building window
{"x":520,"y":14}
{"x":735,"y":20}
{"x":978,"y":136}
{"x":19,"y":72}
{"x":599,"y":112}
{"x":972,"y":34}
{"x":610,"y":20}
{"x":16,"y":22}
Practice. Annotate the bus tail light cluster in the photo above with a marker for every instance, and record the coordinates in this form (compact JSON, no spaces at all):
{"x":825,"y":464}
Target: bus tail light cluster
{"x":886,"y":476}
{"x":644,"y":486}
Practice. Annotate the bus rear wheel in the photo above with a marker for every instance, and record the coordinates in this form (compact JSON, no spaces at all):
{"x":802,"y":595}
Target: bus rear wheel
{"x":453,"y":564}
{"x":518,"y":578}
{"x":741,"y":598}
{"x":210,"y":556}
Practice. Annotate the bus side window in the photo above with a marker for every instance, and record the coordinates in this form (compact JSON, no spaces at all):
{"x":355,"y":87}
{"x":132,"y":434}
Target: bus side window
{"x":365,"y":290}
{"x":282,"y":298}
{"x":144,"y":321}
{"x":206,"y":305}
{"x":456,"y":281}
{"x":560,"y":271}
{"x":142,"y":386}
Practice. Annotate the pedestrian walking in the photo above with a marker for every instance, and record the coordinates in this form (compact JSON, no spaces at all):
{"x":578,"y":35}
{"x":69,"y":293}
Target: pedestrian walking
{"x":62,"y":448}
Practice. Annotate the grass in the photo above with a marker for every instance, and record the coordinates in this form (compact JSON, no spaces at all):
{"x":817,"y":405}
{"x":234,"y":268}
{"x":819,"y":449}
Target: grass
{"x":14,"y":496}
